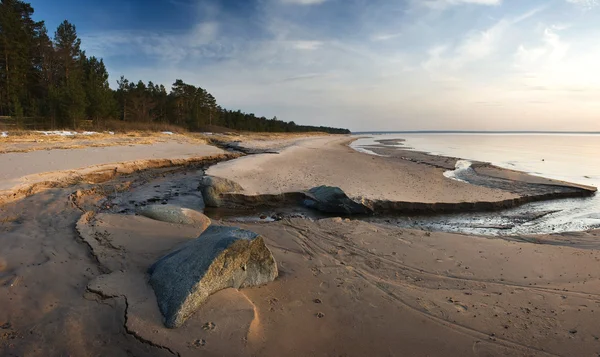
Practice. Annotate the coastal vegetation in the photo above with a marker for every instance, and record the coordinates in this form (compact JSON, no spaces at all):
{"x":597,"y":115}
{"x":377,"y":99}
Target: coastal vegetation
{"x":49,"y":83}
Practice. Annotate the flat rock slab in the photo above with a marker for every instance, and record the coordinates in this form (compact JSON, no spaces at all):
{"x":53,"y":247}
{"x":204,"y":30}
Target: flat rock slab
{"x":222,"y":257}
{"x":175,"y":214}
{"x":125,"y":241}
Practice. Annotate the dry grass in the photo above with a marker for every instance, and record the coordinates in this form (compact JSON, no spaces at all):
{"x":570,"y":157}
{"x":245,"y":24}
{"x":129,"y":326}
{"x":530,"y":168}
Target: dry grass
{"x":27,"y":140}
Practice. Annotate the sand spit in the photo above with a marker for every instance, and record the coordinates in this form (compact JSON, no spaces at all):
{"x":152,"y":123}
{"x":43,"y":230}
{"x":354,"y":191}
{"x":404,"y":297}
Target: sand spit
{"x":387,"y":184}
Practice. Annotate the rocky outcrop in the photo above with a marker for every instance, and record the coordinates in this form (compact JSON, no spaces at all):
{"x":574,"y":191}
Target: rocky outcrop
{"x":213,"y":187}
{"x":220,"y":258}
{"x":175,"y":214}
{"x":333,"y":200}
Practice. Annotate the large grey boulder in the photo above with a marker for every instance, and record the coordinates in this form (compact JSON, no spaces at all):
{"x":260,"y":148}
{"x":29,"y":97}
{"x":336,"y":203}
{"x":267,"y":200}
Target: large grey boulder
{"x":222,"y":257}
{"x":175,"y":214}
{"x":212,"y":187}
{"x":333,"y":200}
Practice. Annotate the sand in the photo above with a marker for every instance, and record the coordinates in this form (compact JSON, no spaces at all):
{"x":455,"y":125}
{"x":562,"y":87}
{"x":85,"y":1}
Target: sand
{"x":328,"y":161}
{"x":24,"y":173}
{"x":75,"y":284}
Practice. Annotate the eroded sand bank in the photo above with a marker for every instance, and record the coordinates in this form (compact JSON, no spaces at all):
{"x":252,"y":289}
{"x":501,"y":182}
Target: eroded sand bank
{"x":24,"y":173}
{"x":346,"y":288}
{"x":387,"y":183}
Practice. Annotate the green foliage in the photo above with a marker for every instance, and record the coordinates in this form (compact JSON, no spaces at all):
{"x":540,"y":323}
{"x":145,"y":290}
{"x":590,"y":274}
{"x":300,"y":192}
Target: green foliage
{"x":54,"y":81}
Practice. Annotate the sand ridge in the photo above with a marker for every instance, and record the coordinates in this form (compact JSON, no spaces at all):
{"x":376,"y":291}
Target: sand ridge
{"x":328,"y":161}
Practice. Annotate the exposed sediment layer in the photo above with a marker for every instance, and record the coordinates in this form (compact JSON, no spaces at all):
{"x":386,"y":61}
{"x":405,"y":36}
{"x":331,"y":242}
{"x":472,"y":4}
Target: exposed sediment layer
{"x":401,"y":182}
{"x":32,"y":184}
{"x":238,"y":200}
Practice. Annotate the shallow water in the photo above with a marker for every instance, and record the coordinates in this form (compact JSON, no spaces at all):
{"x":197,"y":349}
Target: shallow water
{"x":567,"y":157}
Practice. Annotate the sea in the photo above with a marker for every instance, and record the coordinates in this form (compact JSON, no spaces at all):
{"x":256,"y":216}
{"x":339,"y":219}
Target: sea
{"x":572,"y":157}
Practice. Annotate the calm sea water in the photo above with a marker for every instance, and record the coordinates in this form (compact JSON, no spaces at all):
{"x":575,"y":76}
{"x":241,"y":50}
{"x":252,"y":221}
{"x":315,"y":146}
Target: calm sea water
{"x":568,"y":157}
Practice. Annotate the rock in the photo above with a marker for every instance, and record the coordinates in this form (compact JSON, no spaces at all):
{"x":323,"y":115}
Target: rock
{"x":222,"y":257}
{"x":333,"y":200}
{"x":175,"y":214}
{"x":212,"y":187}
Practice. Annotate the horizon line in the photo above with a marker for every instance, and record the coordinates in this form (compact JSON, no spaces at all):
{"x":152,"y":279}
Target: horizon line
{"x":474,"y":132}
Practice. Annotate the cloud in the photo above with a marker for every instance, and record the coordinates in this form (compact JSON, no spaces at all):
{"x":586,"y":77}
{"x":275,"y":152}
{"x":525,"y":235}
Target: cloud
{"x":305,"y":77}
{"x":585,"y":4}
{"x":303,"y":2}
{"x":173,"y":47}
{"x":307,"y":45}
{"x":386,"y":36}
{"x":550,"y":53}
{"x":475,"y":46}
{"x":442,"y":4}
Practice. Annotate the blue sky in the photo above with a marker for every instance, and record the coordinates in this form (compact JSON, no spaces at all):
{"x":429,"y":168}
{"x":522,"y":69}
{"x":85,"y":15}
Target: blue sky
{"x":361,"y":64}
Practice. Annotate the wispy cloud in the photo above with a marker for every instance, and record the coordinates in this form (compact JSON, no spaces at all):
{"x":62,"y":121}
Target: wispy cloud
{"x":442,"y":4}
{"x":475,"y":46}
{"x":307,"y":45}
{"x":386,"y":36}
{"x":305,"y":77}
{"x":303,"y":2}
{"x":585,"y":4}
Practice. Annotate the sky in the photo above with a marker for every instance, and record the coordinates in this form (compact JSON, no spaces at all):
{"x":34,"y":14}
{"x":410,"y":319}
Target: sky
{"x":360,"y":64}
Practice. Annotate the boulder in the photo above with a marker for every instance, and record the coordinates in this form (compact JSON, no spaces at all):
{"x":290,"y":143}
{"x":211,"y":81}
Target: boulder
{"x":212,"y":187}
{"x":222,"y":257}
{"x":333,"y":200}
{"x":175,"y":214}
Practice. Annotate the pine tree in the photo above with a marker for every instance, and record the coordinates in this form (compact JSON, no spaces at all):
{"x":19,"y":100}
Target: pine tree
{"x":18,"y":37}
{"x":70,"y":61}
{"x":100,"y":99}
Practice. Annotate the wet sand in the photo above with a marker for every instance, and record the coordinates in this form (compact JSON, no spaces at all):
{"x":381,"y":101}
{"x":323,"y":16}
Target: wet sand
{"x":76,"y":285}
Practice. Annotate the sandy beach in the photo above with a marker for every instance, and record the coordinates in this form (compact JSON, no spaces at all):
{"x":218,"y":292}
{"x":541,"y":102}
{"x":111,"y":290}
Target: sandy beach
{"x":74,"y":259}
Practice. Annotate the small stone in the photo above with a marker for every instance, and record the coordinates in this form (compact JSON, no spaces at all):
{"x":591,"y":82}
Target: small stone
{"x":175,"y":214}
{"x":573,"y":331}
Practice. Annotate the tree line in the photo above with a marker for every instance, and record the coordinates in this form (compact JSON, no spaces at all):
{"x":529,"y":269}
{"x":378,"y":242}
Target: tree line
{"x":56,"y":82}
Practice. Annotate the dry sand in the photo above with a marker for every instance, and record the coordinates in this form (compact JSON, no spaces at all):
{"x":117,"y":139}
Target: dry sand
{"x":328,"y":161}
{"x":346,"y":288}
{"x":24,"y":172}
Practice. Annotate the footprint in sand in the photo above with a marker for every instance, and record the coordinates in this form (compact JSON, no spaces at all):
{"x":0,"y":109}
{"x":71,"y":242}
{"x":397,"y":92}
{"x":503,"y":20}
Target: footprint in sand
{"x":460,"y":307}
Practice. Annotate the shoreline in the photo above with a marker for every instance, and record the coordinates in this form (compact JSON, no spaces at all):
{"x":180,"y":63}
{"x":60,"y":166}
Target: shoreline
{"x":510,"y":188}
{"x":18,"y":187}
{"x":346,"y":287}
